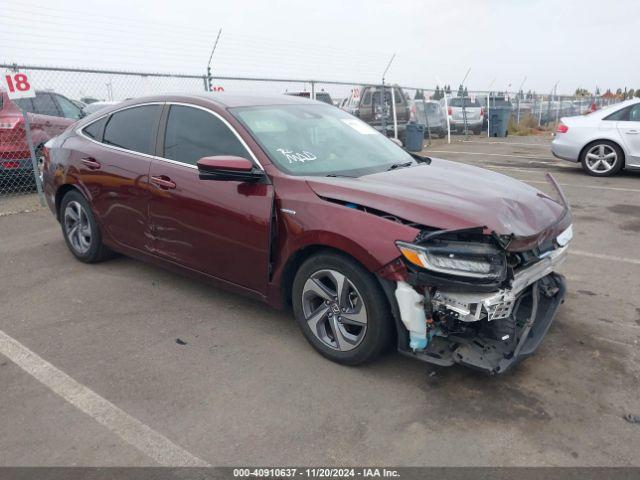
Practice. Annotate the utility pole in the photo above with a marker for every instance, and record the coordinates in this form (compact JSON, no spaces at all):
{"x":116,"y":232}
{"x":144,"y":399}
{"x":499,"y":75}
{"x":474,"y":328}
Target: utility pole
{"x":383,"y":99}
{"x":208,"y":83}
{"x":489,"y":107}
{"x":518,"y":97}
{"x":464,"y":109}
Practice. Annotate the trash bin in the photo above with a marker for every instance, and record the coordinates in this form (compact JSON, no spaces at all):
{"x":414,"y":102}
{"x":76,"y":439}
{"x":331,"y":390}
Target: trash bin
{"x":499,"y":116}
{"x":414,"y":136}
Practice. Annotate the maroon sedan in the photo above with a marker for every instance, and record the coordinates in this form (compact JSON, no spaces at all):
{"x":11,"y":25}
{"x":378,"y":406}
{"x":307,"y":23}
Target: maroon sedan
{"x":295,"y":202}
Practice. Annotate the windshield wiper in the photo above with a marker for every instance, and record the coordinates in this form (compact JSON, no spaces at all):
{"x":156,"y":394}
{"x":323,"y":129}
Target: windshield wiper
{"x":399,"y":165}
{"x":338,"y":175}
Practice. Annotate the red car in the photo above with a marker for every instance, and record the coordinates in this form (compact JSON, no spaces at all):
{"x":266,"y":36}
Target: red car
{"x":292,"y":201}
{"x":49,"y":115}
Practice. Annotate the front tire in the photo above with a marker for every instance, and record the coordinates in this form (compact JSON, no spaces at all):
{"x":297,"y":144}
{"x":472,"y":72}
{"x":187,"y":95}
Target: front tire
{"x":602,"y":159}
{"x":341,"y":309}
{"x":80,"y":230}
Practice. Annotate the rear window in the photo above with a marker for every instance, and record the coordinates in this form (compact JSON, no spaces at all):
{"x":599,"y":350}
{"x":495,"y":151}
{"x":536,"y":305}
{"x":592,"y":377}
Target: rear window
{"x":387,"y":95}
{"x":468,"y":103}
{"x":324,"y":97}
{"x":44,"y":105}
{"x":24,"y":104}
{"x":133,"y":129}
{"x":432,"y":108}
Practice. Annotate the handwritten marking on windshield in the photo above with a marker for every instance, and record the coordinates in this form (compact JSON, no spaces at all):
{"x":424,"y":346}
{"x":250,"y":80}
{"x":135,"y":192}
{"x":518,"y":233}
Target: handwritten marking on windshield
{"x":293,"y":157}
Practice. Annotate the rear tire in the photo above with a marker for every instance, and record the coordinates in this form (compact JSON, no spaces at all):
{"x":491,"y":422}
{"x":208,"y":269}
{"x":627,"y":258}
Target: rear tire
{"x":80,"y":229}
{"x":602,"y":158}
{"x":349,"y":325}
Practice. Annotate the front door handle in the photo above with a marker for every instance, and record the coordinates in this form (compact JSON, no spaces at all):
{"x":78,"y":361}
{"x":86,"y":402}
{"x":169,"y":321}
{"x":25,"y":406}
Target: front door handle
{"x":633,"y":132}
{"x":91,"y":162}
{"x":163,"y":182}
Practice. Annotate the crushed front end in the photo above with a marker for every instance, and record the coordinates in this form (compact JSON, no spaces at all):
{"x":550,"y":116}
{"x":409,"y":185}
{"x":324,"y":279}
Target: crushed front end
{"x":478,"y":299}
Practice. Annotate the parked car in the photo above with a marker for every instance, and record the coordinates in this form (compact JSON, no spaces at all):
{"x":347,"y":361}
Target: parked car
{"x":78,"y":103}
{"x":290,"y":201}
{"x":604,"y":141}
{"x":321,"y":96}
{"x":428,"y":113}
{"x":49,"y":115}
{"x":472,"y":109}
{"x":365,"y":103}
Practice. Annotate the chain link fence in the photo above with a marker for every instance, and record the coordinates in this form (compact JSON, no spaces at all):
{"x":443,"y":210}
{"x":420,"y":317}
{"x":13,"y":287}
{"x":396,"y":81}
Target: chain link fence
{"x":63,"y":95}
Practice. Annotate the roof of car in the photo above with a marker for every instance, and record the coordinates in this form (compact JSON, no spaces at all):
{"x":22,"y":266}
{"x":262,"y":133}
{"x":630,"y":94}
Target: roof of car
{"x":229,"y":100}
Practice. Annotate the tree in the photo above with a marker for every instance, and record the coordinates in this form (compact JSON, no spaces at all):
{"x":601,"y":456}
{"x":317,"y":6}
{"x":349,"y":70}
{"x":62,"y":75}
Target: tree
{"x":438,"y":94}
{"x":460,"y":90}
{"x":465,"y":93}
{"x":637,"y":93}
{"x":630,"y":93}
{"x":447,"y":89}
{"x":419,"y":95}
{"x":597,"y":91}
{"x":582,"y":92}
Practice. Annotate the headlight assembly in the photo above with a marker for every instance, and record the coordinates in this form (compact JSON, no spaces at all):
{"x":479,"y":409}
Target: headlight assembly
{"x":462,"y":259}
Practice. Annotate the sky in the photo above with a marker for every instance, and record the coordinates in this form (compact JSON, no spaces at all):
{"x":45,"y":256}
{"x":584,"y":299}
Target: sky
{"x":502,"y":43}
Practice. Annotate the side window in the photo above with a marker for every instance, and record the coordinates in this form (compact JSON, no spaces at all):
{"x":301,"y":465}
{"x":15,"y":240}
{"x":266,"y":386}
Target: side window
{"x":69,"y":110}
{"x":366,"y":100}
{"x":44,"y":105}
{"x":620,"y":115}
{"x":399,"y":97}
{"x":133,"y":129}
{"x":634,"y":113}
{"x":95,"y":130}
{"x":193,"y":133}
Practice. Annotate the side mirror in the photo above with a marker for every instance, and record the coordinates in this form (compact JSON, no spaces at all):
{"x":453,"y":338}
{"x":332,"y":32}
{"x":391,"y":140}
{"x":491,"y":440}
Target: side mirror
{"x":229,"y":168}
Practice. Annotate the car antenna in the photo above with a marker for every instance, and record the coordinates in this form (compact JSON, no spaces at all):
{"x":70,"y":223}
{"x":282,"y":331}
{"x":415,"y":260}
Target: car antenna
{"x":209,"y":78}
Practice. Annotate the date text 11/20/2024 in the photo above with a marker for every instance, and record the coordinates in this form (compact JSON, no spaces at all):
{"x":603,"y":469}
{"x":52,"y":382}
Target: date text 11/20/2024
{"x":315,"y":472}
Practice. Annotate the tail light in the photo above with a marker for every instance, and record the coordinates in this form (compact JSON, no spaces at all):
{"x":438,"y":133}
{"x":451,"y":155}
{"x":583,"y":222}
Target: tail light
{"x":10,"y":164}
{"x":562,"y":128}
{"x":482,"y":112}
{"x":9,"y":123}
{"x":449,"y":111}
{"x":412,"y":113}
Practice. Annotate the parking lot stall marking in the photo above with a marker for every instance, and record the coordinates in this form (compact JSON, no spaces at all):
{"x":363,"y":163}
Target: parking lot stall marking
{"x":543,"y":145}
{"x":594,"y":187}
{"x":134,"y":432}
{"x":493,"y":154}
{"x":600,"y":256}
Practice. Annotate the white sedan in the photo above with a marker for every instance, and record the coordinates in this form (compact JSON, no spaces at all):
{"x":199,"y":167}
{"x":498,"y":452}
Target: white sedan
{"x":604,"y":141}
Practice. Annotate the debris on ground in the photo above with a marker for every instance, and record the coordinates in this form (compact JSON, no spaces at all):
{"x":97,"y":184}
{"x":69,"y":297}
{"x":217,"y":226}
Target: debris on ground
{"x":179,"y":341}
{"x":632,"y":418}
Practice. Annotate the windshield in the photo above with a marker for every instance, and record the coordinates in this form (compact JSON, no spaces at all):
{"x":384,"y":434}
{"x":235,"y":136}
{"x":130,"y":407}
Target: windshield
{"x":320,"y":140}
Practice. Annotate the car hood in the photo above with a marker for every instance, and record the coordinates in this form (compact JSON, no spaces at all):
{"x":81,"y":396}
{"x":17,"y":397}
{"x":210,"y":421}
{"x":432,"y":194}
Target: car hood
{"x":449,"y":195}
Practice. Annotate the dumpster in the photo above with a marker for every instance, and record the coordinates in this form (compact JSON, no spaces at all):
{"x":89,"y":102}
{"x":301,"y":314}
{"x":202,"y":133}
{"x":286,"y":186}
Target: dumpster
{"x":414,"y":136}
{"x":499,"y":115}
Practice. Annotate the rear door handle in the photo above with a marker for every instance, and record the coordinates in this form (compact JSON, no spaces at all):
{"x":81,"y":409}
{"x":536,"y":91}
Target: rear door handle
{"x":633,"y":132}
{"x":91,"y":162}
{"x":163,"y":182}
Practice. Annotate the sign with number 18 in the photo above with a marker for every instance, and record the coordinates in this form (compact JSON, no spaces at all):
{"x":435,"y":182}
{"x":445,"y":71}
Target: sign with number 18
{"x":18,"y":86}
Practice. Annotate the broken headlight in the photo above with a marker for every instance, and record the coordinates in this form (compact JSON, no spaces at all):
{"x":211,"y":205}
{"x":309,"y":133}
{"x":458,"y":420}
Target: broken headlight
{"x":463,"y":259}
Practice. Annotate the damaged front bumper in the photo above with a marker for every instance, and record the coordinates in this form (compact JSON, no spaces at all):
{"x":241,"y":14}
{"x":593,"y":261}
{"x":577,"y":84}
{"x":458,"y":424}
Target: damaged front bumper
{"x":486,"y":330}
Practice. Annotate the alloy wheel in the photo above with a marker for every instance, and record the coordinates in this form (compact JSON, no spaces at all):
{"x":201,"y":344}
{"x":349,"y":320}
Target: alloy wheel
{"x":334,"y":310}
{"x":601,"y":158}
{"x":77,"y":227}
